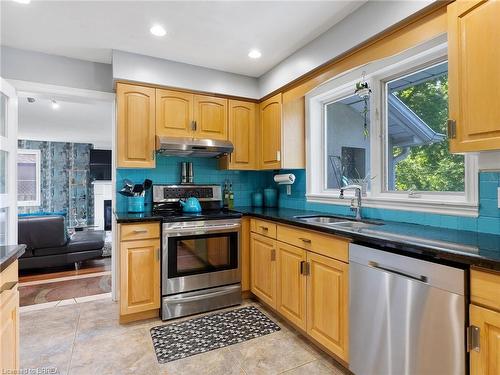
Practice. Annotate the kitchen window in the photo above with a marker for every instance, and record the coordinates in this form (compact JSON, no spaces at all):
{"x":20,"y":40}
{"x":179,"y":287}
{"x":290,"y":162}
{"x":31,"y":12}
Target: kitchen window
{"x":28,"y":177}
{"x":392,"y":142}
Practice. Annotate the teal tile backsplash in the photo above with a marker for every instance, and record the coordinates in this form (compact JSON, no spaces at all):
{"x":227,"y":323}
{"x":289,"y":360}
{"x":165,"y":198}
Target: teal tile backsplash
{"x":245,"y":182}
{"x":488,"y":220}
{"x":168,"y":171}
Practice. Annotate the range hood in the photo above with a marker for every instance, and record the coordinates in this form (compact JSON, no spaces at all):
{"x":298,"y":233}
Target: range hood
{"x":207,"y":148}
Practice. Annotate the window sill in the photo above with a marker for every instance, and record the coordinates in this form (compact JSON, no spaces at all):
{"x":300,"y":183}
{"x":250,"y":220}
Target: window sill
{"x":404,"y":204}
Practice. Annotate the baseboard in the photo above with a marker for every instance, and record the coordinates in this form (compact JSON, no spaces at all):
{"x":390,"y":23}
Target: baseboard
{"x":124,"y":319}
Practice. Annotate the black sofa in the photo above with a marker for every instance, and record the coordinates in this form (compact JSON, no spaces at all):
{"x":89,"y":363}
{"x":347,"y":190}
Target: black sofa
{"x":49,"y":246}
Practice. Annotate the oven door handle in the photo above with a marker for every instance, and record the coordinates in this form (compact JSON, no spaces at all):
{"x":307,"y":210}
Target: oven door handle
{"x":204,"y":230}
{"x":201,"y":296}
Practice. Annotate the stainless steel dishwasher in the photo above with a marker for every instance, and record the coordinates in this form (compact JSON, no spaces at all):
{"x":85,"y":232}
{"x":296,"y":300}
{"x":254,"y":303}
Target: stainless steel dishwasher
{"x":406,"y":317}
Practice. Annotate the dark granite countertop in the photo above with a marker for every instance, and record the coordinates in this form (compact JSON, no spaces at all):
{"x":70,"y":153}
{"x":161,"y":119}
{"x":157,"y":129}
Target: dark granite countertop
{"x":427,"y":242}
{"x":8,"y":254}
{"x":447,"y":245}
{"x":125,"y":217}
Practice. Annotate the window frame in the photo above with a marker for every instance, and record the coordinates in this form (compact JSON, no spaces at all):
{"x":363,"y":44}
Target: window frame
{"x":37,"y":154}
{"x":377,"y":74}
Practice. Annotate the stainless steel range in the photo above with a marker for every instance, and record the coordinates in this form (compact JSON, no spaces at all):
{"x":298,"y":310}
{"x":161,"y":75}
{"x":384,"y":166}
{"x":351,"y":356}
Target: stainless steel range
{"x":201,"y":268}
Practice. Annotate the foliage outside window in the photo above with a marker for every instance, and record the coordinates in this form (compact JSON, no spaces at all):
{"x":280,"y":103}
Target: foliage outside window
{"x":418,"y":153}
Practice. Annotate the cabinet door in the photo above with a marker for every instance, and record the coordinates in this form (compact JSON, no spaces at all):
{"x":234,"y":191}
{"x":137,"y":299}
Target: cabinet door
{"x":9,"y":330}
{"x":242,"y":133}
{"x":270,"y":133}
{"x":140,"y":276}
{"x":174,"y":113}
{"x":328,"y":304}
{"x":486,"y":361}
{"x":291,"y":283}
{"x":474,"y":74}
{"x":263,"y":268}
{"x":210,"y":115}
{"x":136,"y":126}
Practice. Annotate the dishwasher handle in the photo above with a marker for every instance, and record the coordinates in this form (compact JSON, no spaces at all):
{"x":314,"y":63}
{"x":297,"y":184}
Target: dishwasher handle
{"x":396,"y":271}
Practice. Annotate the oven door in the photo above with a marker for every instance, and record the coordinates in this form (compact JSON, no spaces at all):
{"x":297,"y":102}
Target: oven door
{"x":200,"y":256}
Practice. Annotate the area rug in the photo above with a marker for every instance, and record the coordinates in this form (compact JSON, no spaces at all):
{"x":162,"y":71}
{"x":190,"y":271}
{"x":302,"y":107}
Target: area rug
{"x":61,"y":290}
{"x":184,"y":339}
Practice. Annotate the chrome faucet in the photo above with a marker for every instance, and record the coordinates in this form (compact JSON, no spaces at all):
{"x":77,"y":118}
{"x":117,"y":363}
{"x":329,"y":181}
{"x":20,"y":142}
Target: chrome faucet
{"x":355,"y":203}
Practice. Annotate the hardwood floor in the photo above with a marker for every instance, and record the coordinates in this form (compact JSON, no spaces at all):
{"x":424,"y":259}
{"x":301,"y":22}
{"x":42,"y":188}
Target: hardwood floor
{"x":88,"y":267}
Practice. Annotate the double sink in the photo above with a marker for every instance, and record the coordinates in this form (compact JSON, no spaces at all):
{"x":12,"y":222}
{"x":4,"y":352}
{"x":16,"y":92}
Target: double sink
{"x":342,"y":223}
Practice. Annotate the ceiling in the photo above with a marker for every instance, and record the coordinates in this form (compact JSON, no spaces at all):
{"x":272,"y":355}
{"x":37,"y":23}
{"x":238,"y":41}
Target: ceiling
{"x":213,"y":34}
{"x":74,"y":121}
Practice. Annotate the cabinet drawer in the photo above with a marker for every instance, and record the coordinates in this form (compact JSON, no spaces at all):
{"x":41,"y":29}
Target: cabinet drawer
{"x":485,"y":288}
{"x":139,"y":231}
{"x":8,"y":282}
{"x":328,"y":245}
{"x":266,"y":228}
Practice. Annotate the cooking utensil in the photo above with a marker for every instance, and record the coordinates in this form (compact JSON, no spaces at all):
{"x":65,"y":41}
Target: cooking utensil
{"x":147,"y":184}
{"x":138,"y":189}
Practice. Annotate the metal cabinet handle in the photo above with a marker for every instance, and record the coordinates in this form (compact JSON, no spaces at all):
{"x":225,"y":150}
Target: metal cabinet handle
{"x":264,"y":228}
{"x":421,"y":278}
{"x":302,"y":267}
{"x":158,"y":254}
{"x":273,"y":255}
{"x":306,"y":240}
{"x":452,"y":129}
{"x":140,"y":231}
{"x":193,"y":125}
{"x":8,"y":286}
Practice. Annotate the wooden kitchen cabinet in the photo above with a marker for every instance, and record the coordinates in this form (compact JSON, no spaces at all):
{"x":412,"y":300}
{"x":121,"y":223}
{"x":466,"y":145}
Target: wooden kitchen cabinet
{"x":263,"y":268}
{"x":139,"y":275}
{"x":210,"y":116}
{"x":485,"y":315}
{"x":291,"y":283}
{"x":174,"y":113}
{"x":474,"y":75}
{"x":486,"y":361}
{"x":242,"y":133}
{"x":136,"y":106}
{"x":9,"y":320}
{"x":328,"y":303}
{"x":270,"y":133}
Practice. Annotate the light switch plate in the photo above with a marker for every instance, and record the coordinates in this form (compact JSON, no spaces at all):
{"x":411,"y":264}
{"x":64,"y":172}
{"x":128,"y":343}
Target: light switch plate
{"x":498,"y":197}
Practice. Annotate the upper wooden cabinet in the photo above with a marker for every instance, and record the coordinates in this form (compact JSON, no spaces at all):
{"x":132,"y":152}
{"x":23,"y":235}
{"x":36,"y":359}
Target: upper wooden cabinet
{"x":136,"y":126}
{"x":242,"y":133}
{"x":174,"y":113}
{"x":474,"y":75}
{"x":270,"y":133}
{"x":210,"y":116}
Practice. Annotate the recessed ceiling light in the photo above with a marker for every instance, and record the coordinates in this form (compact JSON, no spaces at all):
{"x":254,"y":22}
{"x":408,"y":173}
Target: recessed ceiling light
{"x":157,"y":30}
{"x":55,"y":105}
{"x":254,"y":54}
{"x":23,"y":1}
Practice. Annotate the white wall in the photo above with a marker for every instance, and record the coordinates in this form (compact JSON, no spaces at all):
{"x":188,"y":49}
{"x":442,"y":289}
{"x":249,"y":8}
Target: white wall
{"x":39,"y":67}
{"x":370,"y":19}
{"x":140,"y":68}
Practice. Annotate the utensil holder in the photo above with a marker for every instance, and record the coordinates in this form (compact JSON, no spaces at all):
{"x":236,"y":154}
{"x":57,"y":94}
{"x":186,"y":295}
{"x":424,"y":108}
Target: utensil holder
{"x":136,"y":204}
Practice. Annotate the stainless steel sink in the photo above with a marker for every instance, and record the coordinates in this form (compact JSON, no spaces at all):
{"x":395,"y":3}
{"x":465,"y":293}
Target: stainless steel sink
{"x":352,"y":225}
{"x":320,"y":219}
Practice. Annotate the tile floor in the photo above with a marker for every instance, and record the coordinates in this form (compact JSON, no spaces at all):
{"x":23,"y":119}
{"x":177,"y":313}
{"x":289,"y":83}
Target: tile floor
{"x":86,"y":338}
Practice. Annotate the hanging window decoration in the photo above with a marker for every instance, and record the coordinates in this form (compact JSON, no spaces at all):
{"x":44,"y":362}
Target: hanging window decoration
{"x":363,"y":90}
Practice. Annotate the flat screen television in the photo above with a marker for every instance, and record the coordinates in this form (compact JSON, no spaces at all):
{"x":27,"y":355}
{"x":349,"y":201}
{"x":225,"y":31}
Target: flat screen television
{"x":100,"y":165}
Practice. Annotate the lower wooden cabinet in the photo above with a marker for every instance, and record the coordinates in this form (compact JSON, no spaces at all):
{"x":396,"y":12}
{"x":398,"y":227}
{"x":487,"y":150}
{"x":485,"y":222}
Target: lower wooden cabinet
{"x":291,"y":283}
{"x":308,"y":289}
{"x":139,"y":276}
{"x":486,"y":360}
{"x":328,"y":303}
{"x":9,"y":321}
{"x":263,"y":268}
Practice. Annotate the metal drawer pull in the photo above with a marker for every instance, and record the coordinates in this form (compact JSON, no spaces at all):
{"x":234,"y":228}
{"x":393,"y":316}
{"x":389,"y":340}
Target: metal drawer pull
{"x":421,"y":278}
{"x":306,"y":240}
{"x":8,"y":286}
{"x":140,"y":231}
{"x":264,"y":228}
